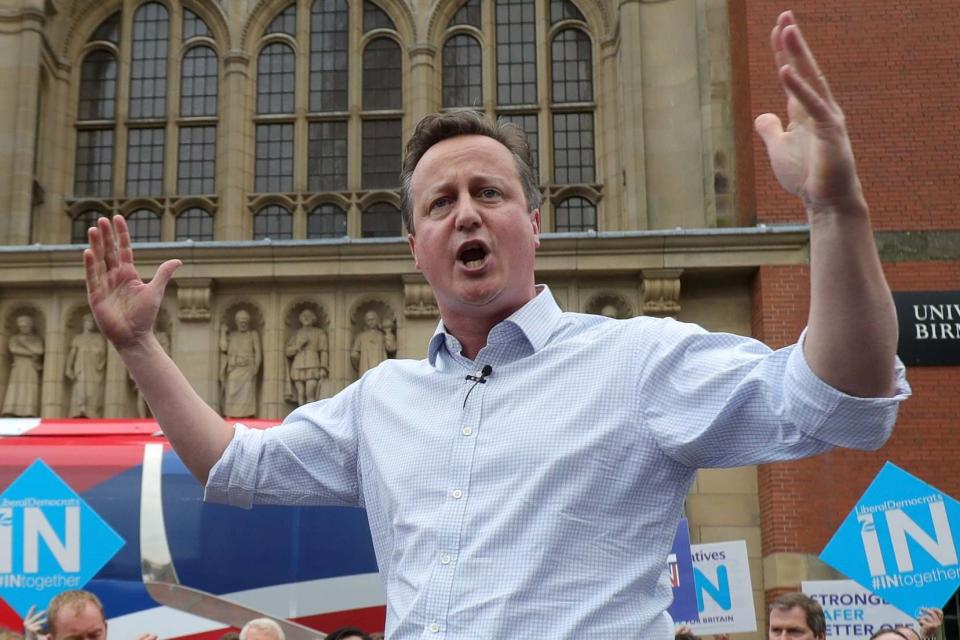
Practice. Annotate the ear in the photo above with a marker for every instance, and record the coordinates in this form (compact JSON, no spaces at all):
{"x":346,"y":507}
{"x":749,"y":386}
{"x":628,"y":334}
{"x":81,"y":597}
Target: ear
{"x":412,"y":243}
{"x":535,"y":222}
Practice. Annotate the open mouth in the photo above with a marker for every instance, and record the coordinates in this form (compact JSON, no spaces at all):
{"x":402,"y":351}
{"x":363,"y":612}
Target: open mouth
{"x":472,"y":255}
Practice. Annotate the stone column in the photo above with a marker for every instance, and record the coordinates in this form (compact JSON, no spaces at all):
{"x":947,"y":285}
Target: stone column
{"x":421,"y":313}
{"x":671,"y":114}
{"x":234,"y":163}
{"x":629,"y":132}
{"x":423,"y":58}
{"x":116,"y":400}
{"x":20,"y":49}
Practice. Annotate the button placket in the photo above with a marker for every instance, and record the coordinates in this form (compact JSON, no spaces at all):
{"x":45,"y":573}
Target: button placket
{"x":450,"y":521}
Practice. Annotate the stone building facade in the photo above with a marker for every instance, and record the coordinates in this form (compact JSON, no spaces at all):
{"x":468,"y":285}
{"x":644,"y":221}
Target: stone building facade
{"x":259,"y":142}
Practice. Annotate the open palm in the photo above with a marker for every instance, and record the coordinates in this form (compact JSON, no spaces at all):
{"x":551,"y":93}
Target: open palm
{"x":811,"y":157}
{"x":124,"y":306}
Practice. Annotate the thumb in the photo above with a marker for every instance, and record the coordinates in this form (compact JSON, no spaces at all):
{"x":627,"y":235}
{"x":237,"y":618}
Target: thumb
{"x":769,"y":127}
{"x":164,"y":273}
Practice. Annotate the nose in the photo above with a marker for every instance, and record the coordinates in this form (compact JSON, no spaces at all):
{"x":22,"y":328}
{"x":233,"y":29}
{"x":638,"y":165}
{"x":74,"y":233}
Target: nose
{"x":467,"y":215}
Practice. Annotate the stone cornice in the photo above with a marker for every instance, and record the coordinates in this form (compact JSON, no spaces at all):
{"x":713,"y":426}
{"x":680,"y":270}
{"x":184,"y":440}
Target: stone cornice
{"x":603,"y":254}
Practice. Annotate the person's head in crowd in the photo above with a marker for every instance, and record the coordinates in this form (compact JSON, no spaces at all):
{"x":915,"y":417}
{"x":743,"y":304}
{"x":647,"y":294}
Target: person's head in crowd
{"x":9,"y":634}
{"x":261,"y":629}
{"x":685,"y":635}
{"x":347,"y":633}
{"x":892,"y":634}
{"x":230,"y":635}
{"x":796,"y":616}
{"x":77,"y":615}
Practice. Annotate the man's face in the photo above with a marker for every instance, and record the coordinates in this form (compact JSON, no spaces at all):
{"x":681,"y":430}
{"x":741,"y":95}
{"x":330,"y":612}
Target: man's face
{"x":243,"y":320}
{"x":79,"y":624}
{"x":790,"y":624}
{"x":475,"y":240}
{"x":255,"y":633}
{"x":372,"y":320}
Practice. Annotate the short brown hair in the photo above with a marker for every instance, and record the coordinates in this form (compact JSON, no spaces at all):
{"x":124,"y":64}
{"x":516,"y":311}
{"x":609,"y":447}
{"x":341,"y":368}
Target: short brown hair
{"x":466,"y":122}
{"x":811,"y":609}
{"x":76,"y":600}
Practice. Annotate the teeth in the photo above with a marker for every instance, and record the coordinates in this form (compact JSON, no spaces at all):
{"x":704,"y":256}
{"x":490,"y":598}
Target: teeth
{"x":471,"y":264}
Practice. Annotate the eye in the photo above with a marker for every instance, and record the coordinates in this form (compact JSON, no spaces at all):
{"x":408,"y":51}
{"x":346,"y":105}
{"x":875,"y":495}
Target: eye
{"x":489,"y":193}
{"x":440,"y":203}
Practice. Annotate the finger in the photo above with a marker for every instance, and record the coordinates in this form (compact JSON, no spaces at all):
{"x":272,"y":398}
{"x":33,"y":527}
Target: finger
{"x":769,"y":127}
{"x":33,"y":608}
{"x":164,"y":273}
{"x":811,"y":101}
{"x":125,"y":252}
{"x":107,"y":242}
{"x":802,"y":58}
{"x":93,"y":271}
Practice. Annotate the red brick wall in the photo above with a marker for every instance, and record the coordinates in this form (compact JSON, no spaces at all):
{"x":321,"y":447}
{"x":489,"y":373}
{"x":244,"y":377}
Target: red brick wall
{"x":802,"y":503}
{"x":893,"y":68}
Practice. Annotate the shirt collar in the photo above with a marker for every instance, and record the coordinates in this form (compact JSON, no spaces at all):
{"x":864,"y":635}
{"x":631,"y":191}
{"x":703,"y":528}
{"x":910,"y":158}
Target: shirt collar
{"x":536,"y":320}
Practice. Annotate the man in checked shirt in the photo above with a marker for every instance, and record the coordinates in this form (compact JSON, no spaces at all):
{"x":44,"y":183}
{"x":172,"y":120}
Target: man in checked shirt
{"x":524,"y":479}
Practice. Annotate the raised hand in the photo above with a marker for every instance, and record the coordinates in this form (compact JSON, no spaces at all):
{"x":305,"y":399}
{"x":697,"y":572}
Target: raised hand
{"x":811,"y":157}
{"x":930,"y":621}
{"x":33,"y":624}
{"x":124,"y":306}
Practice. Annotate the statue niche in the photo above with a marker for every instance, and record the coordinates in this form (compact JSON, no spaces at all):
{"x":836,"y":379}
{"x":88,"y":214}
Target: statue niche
{"x":86,"y":370}
{"x":241,"y":356}
{"x":307,"y":353}
{"x":375,"y":335}
{"x":22,"y":397}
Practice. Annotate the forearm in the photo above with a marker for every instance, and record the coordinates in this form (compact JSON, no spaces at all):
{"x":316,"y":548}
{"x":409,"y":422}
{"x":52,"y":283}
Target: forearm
{"x":851,"y":339}
{"x":197,"y":433}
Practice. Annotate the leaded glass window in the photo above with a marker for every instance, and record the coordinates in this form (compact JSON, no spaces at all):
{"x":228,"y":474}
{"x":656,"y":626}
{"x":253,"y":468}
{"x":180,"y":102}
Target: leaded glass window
{"x":516,"y":52}
{"x":274,"y":158}
{"x":276,"y":79}
{"x":197,"y":166}
{"x":81,"y":222}
{"x":468,"y":14}
{"x":327,"y":221}
{"x":98,"y":86}
{"x":194,"y":26}
{"x":375,"y":18}
{"x":145,"y":161}
{"x":572,"y":67}
{"x":573,"y":148}
{"x":462,"y":72}
{"x":576,"y":214}
{"x":198,"y":84}
{"x":329,"y":42}
{"x":273,"y":221}
{"x":144,"y":226}
{"x":382,"y":75}
{"x":381,"y":220}
{"x":327,"y":156}
{"x":381,"y":154}
{"x":93,"y":175}
{"x":285,"y":22}
{"x":564,"y":10}
{"x":194,"y":223}
{"x":148,"y":67}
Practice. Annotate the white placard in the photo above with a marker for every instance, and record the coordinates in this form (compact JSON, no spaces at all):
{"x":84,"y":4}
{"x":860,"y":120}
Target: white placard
{"x":721,"y":574}
{"x":853,"y":612}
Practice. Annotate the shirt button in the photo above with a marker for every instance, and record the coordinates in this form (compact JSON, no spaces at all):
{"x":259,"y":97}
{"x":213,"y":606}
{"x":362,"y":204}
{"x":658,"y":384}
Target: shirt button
{"x":457,"y":494}
{"x":467,"y":431}
{"x":434,"y":627}
{"x":445,"y":558}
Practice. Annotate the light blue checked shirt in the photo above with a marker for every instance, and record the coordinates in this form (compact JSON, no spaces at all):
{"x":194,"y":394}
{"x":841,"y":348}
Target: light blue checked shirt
{"x":543,"y":503}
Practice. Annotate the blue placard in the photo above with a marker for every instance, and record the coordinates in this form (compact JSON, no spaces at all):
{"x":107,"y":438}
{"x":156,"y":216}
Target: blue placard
{"x":900,"y":542}
{"x":50,"y":539}
{"x":684,"y":606}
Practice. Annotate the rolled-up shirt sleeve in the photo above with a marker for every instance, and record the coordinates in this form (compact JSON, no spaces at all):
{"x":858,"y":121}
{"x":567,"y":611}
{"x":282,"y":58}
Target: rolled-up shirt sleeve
{"x":720,"y":400}
{"x":310,"y":459}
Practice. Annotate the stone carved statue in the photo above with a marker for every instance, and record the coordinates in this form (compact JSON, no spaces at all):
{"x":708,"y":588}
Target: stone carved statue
{"x":23,"y":386}
{"x":241,"y":357}
{"x":86,"y":369}
{"x":610,"y":311}
{"x":308,"y":349}
{"x":373,"y":345}
{"x":143,"y":410}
